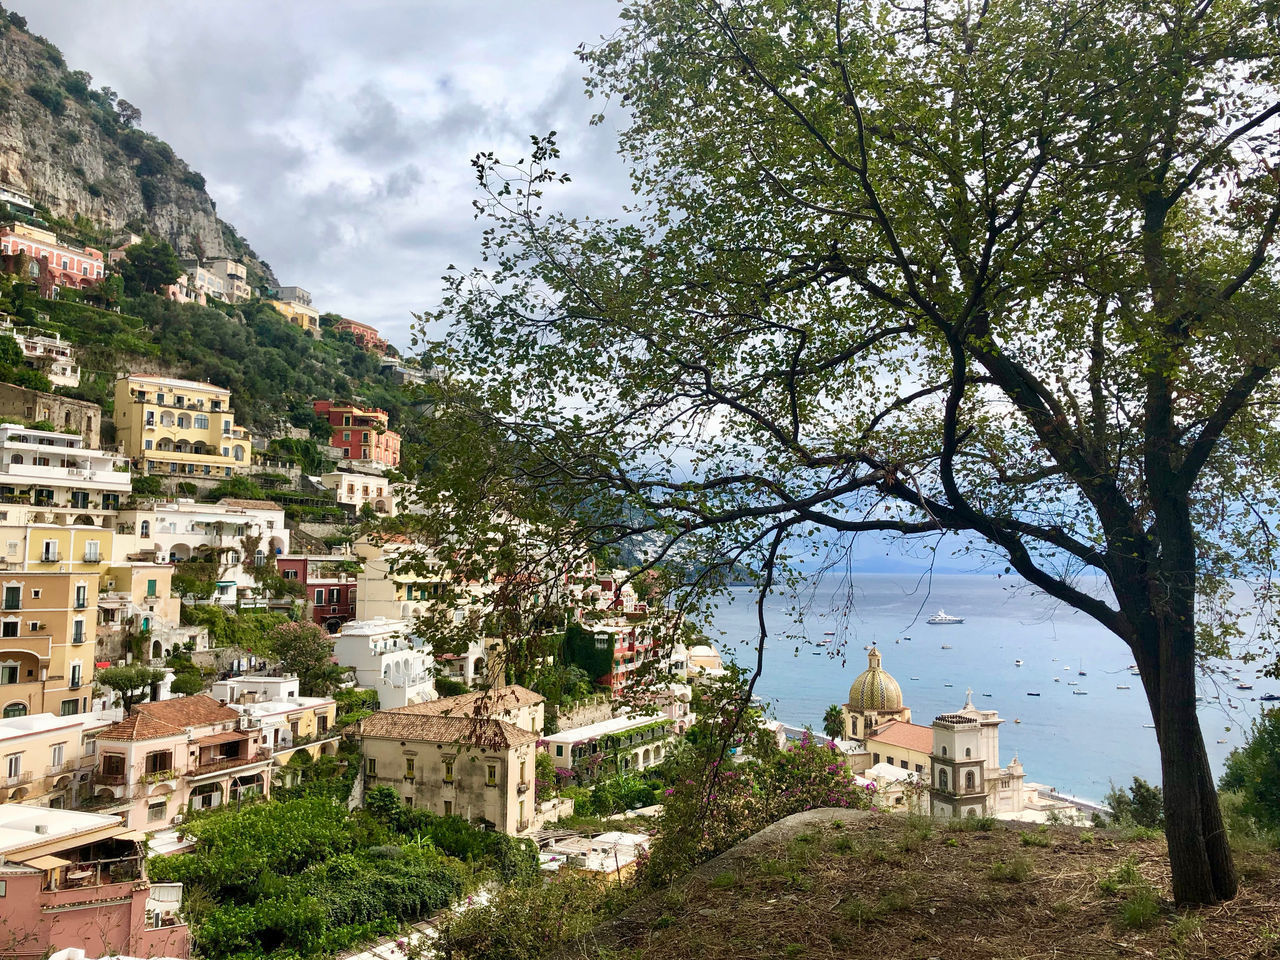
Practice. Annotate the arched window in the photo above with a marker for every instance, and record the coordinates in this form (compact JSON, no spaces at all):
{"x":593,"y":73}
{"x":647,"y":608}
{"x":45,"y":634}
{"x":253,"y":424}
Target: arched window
{"x":239,"y":453}
{"x":968,"y":780}
{"x":968,"y":752}
{"x":16,"y":458}
{"x":15,"y":710}
{"x":942,"y":780}
{"x":944,"y":751}
{"x":144,"y":528}
{"x":66,"y":420}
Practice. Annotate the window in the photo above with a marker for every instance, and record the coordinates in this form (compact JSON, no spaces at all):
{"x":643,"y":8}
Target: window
{"x":56,"y":754}
{"x":491,"y":775}
{"x":239,"y":453}
{"x":319,"y":595}
{"x":448,"y":808}
{"x":968,"y":752}
{"x":14,"y":764}
{"x":346,"y":435}
{"x":80,"y":499}
{"x":113,"y":764}
{"x":875,"y":758}
{"x":9,"y":628}
{"x":233,"y":556}
{"x":409,"y":764}
{"x":335,"y":594}
{"x":201,"y":422}
{"x":448,"y":771}
{"x":82,"y":590}
{"x":77,"y":631}
{"x":75,"y":676}
{"x":408,"y":801}
{"x":13,"y":598}
{"x":942,"y":780}
{"x":919,"y":768}
{"x":968,"y":780}
{"x":226,"y":428}
{"x":944,"y":751}
{"x":522,"y":771}
{"x":9,"y":673}
{"x":904,"y":764}
{"x":559,"y":750}
{"x":35,"y":594}
{"x":49,"y":554}
{"x":70,"y":707}
{"x":155,"y":812}
{"x":888,"y":760}
{"x":371,"y":767}
{"x":144,"y":528}
{"x":15,"y":710}
{"x":151,"y":588}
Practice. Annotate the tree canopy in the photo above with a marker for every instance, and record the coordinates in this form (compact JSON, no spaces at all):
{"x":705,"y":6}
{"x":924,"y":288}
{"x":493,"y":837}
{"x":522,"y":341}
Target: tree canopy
{"x":1000,"y":271}
{"x":149,"y":266}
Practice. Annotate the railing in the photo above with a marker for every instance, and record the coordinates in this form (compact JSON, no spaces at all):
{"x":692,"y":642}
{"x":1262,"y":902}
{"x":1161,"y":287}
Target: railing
{"x":111,"y":779}
{"x":228,"y":763}
{"x":18,"y":779}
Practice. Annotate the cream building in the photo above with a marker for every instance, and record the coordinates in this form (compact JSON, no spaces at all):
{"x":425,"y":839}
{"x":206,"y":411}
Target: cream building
{"x":136,"y":598}
{"x":358,"y":489}
{"x":294,"y":304}
{"x":234,"y":277}
{"x":476,"y":768}
{"x":50,"y":354}
{"x":388,"y":659}
{"x":51,"y":477}
{"x":288,"y":721}
{"x":47,"y":759}
{"x":876,"y":717}
{"x":180,"y":428}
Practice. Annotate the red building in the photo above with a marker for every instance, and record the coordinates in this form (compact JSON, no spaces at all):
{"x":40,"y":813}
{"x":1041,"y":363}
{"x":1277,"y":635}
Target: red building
{"x":367,"y":336}
{"x":67,"y":263}
{"x":329,"y":588}
{"x":361,"y":434}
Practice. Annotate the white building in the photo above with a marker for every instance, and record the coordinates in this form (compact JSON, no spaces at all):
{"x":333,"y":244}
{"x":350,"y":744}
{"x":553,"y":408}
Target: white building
{"x":967,"y":779}
{"x":629,"y":742}
{"x":234,"y":534}
{"x":17,"y":200}
{"x":274,"y":705}
{"x":52,"y":354}
{"x":51,"y":477}
{"x":358,"y":489}
{"x":234,"y":278}
{"x":386,"y":658}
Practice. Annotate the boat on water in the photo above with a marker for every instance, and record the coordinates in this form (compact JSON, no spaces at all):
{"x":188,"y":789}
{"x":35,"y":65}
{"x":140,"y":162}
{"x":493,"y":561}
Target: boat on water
{"x":1057,"y":679}
{"x":1223,"y":740}
{"x":1081,"y":673}
{"x":1270,"y":697}
{"x":1017,"y":663}
{"x":1029,"y":694}
{"x":986,"y":694}
{"x":1123,"y":686}
{"x":915,"y":678}
{"x":942,"y":618}
{"x":1244,"y":686}
{"x":1073,"y":683}
{"x":1080,"y":693}
{"x":1017,"y":719}
{"x":829,"y":633}
{"x":946,"y":646}
{"x":948,"y":684}
{"x":906,"y":638}
{"x":1149,"y":726}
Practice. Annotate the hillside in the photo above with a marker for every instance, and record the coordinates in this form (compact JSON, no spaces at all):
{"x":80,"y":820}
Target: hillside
{"x":840,"y":883}
{"x":78,"y":152}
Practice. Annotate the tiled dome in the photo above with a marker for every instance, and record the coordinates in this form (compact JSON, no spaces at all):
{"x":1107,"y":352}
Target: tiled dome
{"x":874,"y":689}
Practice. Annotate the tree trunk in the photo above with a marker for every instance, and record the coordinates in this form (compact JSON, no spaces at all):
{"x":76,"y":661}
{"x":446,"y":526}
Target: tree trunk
{"x":1199,"y":853}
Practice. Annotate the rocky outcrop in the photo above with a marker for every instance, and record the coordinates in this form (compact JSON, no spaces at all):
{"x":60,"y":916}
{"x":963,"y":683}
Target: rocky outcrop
{"x":75,"y":150}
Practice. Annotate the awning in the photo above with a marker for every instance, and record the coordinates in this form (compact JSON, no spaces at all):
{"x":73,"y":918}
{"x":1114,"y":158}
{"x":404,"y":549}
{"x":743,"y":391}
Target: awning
{"x":48,"y":863}
{"x":215,"y":738}
{"x":131,"y":835}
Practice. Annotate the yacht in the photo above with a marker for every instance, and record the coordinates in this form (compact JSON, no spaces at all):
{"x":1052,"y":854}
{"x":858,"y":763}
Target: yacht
{"x":1017,"y":663}
{"x":1270,"y":697}
{"x":1123,"y":686}
{"x":1073,"y":683}
{"x":1032,"y":694}
{"x":942,"y":617}
{"x":1080,"y":693}
{"x":1244,"y":686}
{"x":1057,"y":679}
{"x":946,"y":646}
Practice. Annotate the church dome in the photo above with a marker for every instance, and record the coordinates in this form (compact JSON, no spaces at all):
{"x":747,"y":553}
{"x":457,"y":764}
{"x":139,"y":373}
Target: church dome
{"x":874,"y":689}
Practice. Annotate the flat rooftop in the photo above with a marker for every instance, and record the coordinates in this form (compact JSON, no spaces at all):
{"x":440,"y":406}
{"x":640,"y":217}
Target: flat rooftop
{"x":604,"y":728}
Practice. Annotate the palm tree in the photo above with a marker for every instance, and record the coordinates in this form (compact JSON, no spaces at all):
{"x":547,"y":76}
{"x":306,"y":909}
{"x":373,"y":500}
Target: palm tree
{"x":833,"y":722}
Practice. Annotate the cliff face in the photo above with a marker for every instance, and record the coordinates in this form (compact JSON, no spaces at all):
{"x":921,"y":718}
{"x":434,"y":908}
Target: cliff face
{"x":76,"y":151}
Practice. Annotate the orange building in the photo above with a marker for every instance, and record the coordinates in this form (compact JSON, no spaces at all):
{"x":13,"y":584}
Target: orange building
{"x":361,"y":434}
{"x":367,"y":336}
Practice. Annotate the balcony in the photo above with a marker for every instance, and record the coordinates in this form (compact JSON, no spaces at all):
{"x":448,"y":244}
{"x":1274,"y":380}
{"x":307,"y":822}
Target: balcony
{"x":522,"y":788}
{"x":111,"y":779}
{"x":51,"y":556}
{"x":18,"y":779}
{"x":230,"y":763}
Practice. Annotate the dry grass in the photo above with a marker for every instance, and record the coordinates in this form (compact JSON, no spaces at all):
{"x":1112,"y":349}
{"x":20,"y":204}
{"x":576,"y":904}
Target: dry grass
{"x":885,"y":887}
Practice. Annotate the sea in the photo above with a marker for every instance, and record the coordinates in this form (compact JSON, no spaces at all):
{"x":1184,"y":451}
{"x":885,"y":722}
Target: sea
{"x":1081,"y":734}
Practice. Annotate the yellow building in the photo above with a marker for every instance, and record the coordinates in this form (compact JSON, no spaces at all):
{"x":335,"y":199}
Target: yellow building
{"x":300,"y":315}
{"x":53,"y":548}
{"x":876,"y":715}
{"x":179,"y":427}
{"x":47,"y":642}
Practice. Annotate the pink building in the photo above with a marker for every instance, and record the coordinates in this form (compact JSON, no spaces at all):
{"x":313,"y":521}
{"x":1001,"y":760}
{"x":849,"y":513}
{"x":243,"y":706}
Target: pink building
{"x":74,"y":879}
{"x":367,"y":336}
{"x":190,"y":753}
{"x":69,"y":264}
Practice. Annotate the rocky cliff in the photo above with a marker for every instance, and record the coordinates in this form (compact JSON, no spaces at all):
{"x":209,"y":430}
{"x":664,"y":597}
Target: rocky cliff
{"x":76,"y":150}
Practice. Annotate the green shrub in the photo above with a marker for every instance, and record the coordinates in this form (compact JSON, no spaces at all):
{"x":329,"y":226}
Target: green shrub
{"x":50,"y":97}
{"x":1139,"y":909}
{"x":1253,"y":771}
{"x":1017,"y":870}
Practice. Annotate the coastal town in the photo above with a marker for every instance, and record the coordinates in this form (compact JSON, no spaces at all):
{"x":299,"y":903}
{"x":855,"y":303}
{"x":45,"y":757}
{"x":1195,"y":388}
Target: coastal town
{"x":475,"y":583}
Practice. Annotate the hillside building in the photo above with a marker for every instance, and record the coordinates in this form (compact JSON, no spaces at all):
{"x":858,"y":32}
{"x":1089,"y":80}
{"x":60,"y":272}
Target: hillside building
{"x":48,"y":758}
{"x":623,"y":744}
{"x":48,"y":624}
{"x":288,"y":721}
{"x":361,"y":434}
{"x":365,"y":335}
{"x":69,"y":263}
{"x":388,"y":659}
{"x":179,"y":428}
{"x":78,"y":879}
{"x":49,"y":354}
{"x":68,"y":415}
{"x":294,"y":304}
{"x":359,"y":489}
{"x":234,"y":277}
{"x":328,"y":587}
{"x":48,"y":476}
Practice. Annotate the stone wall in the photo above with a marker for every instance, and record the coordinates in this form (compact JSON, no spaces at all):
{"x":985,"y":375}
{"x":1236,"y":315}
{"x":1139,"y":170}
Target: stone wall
{"x":584,"y":712}
{"x":79,"y":416}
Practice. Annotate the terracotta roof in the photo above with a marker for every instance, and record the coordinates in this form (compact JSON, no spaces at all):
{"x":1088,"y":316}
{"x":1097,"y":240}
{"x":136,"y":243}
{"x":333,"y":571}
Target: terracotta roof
{"x":489,"y":734}
{"x":140,"y":727}
{"x":193,"y":711}
{"x":898,"y":733}
{"x":479,"y":703}
{"x":249,"y":504}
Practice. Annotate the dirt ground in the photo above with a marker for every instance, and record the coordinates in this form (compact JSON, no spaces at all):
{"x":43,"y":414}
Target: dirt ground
{"x":836,"y":884}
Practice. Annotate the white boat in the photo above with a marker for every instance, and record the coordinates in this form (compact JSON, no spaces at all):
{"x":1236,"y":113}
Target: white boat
{"x":1244,"y":686}
{"x":1057,"y":679}
{"x":946,"y":646}
{"x":948,"y":684}
{"x":1017,"y":719}
{"x":1222,"y":740}
{"x":1080,"y":693}
{"x":915,"y":678}
{"x":942,"y":618}
{"x":1017,"y":663}
{"x":1149,"y":726}
{"x":1073,"y":683}
{"x":1123,"y":686}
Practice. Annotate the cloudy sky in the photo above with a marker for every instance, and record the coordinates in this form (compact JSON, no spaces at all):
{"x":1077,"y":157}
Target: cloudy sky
{"x":336,"y":136}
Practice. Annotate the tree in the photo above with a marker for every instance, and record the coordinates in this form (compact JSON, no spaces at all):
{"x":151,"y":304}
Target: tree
{"x":833,"y":722}
{"x":188,"y":683}
{"x":132,"y":682}
{"x":1254,"y":771}
{"x":128,"y":114}
{"x":306,"y":650}
{"x":1141,"y":804}
{"x":149,"y":266}
{"x":998,"y":277}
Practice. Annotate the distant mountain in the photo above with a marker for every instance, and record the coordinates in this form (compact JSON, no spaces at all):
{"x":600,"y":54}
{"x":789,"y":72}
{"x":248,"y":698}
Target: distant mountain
{"x":77,"y":151}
